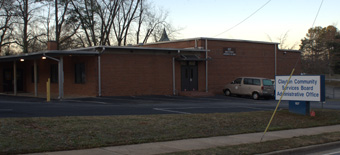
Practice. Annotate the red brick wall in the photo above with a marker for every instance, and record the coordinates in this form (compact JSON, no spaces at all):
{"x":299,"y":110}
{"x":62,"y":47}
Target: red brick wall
{"x":286,"y":61}
{"x":90,"y":87}
{"x":127,"y":74}
{"x":141,"y":74}
{"x":252,"y":59}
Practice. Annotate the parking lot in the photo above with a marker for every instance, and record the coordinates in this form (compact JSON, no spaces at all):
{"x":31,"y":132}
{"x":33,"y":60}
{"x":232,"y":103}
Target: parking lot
{"x":12,"y":106}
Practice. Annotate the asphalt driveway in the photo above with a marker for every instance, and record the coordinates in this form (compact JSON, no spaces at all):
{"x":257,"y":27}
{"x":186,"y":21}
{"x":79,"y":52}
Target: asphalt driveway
{"x":12,"y":106}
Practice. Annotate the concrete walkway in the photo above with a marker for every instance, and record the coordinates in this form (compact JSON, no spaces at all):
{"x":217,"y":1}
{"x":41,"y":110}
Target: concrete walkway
{"x":194,"y":144}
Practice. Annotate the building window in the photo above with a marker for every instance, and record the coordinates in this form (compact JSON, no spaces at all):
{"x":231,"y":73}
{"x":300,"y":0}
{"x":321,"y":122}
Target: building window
{"x":32,"y":71}
{"x":54,"y":73}
{"x":80,"y":75}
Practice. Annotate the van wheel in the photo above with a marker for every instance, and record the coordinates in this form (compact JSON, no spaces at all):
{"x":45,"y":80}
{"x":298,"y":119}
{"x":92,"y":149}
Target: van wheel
{"x":256,"y":96}
{"x":227,"y":92}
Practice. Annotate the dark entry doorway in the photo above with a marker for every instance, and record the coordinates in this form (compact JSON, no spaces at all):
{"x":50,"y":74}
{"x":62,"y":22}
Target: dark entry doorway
{"x":8,"y":83}
{"x":189,"y":76}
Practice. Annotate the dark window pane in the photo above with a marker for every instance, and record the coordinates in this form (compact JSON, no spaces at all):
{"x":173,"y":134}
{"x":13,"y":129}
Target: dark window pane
{"x":79,"y":71}
{"x":257,"y":82}
{"x":238,"y":81}
{"x":248,"y":81}
{"x":54,"y":73}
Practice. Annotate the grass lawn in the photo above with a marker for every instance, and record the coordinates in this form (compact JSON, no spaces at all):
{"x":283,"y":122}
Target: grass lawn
{"x":28,"y":135}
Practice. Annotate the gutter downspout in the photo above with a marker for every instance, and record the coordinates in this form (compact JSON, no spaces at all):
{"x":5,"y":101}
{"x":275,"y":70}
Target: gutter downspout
{"x":275,"y":60}
{"x":99,"y":73}
{"x":173,"y":77}
{"x":206,"y":65}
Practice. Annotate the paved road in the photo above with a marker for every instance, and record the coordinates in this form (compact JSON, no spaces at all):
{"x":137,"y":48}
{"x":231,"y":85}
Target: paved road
{"x":11,"y":106}
{"x":335,"y":151}
{"x":332,"y":148}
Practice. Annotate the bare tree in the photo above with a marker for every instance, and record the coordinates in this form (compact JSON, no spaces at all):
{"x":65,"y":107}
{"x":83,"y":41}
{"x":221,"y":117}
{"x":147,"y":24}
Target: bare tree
{"x":126,"y":15}
{"x":152,"y":20}
{"x":283,"y":41}
{"x":26,"y":10}
{"x":85,"y":12}
{"x":66,"y":25}
{"x":107,"y":15}
{"x":6,"y":23}
{"x":79,"y":23}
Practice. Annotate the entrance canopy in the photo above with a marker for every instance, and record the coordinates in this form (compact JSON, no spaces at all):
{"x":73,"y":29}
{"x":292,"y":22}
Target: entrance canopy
{"x":186,"y":57}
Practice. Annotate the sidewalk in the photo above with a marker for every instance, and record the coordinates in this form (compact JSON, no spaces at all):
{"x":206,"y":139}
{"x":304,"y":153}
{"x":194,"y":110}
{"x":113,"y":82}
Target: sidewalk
{"x":194,"y":144}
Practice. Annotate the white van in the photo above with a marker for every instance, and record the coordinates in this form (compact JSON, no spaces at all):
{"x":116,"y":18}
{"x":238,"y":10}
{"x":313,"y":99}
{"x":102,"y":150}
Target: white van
{"x":252,"y":86}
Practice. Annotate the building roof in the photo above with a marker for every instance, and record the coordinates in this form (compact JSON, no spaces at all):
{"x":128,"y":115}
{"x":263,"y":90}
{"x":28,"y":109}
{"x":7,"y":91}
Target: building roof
{"x":35,"y":55}
{"x":218,"y":39}
{"x":97,"y":50}
{"x":283,"y":50}
{"x":152,"y":48}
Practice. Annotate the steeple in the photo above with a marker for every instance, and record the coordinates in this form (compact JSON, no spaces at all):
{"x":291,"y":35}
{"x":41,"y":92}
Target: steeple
{"x":164,"y":36}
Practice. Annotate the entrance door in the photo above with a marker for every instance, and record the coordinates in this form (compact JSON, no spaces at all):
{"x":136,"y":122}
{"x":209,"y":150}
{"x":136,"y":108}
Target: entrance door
{"x":189,"y":76}
{"x":8,"y":83}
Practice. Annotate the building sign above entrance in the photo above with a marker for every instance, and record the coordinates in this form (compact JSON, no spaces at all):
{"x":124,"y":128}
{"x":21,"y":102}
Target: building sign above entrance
{"x":229,"y":51}
{"x":300,"y":88}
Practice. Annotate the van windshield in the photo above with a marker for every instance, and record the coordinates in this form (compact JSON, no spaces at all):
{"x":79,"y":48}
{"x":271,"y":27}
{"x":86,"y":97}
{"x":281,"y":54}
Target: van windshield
{"x":267,"y":82}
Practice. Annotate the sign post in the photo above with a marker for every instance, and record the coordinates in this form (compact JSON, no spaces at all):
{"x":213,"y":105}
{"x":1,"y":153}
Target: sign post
{"x":300,"y":91}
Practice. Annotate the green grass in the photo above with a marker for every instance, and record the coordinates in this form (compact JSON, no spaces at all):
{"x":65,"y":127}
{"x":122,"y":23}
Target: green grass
{"x":27,"y":135}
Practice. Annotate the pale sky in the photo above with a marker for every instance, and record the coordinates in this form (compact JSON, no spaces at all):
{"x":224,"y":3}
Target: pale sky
{"x":208,"y":18}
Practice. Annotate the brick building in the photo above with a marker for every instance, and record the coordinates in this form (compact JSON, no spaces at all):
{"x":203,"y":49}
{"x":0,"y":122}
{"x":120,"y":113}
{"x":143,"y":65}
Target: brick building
{"x":235,"y":58}
{"x":163,"y":68}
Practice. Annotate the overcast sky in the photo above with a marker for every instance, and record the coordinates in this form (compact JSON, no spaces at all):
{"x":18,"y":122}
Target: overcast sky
{"x":209,"y":18}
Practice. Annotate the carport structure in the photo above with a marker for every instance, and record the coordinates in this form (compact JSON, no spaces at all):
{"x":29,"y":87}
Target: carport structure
{"x":101,"y":70}
{"x":21,"y":66}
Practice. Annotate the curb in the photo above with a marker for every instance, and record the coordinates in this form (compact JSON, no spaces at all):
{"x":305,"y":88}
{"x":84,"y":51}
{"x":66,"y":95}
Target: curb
{"x":307,"y":149}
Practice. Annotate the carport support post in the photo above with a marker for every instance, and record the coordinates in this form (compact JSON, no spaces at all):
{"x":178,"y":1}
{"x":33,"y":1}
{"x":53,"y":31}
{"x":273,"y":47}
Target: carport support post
{"x":15,"y":77}
{"x":173,"y":76}
{"x":206,"y":65}
{"x":35,"y":79}
{"x":275,"y":65}
{"x":99,"y":77}
{"x":61,"y":78}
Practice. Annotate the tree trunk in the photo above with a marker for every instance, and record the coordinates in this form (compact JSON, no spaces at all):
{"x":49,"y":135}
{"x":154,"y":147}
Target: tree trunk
{"x":57,"y":33}
{"x":25,"y":17}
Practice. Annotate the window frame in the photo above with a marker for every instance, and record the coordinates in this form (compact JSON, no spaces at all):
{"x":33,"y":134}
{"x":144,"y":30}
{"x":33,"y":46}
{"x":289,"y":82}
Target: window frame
{"x":79,"y":73}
